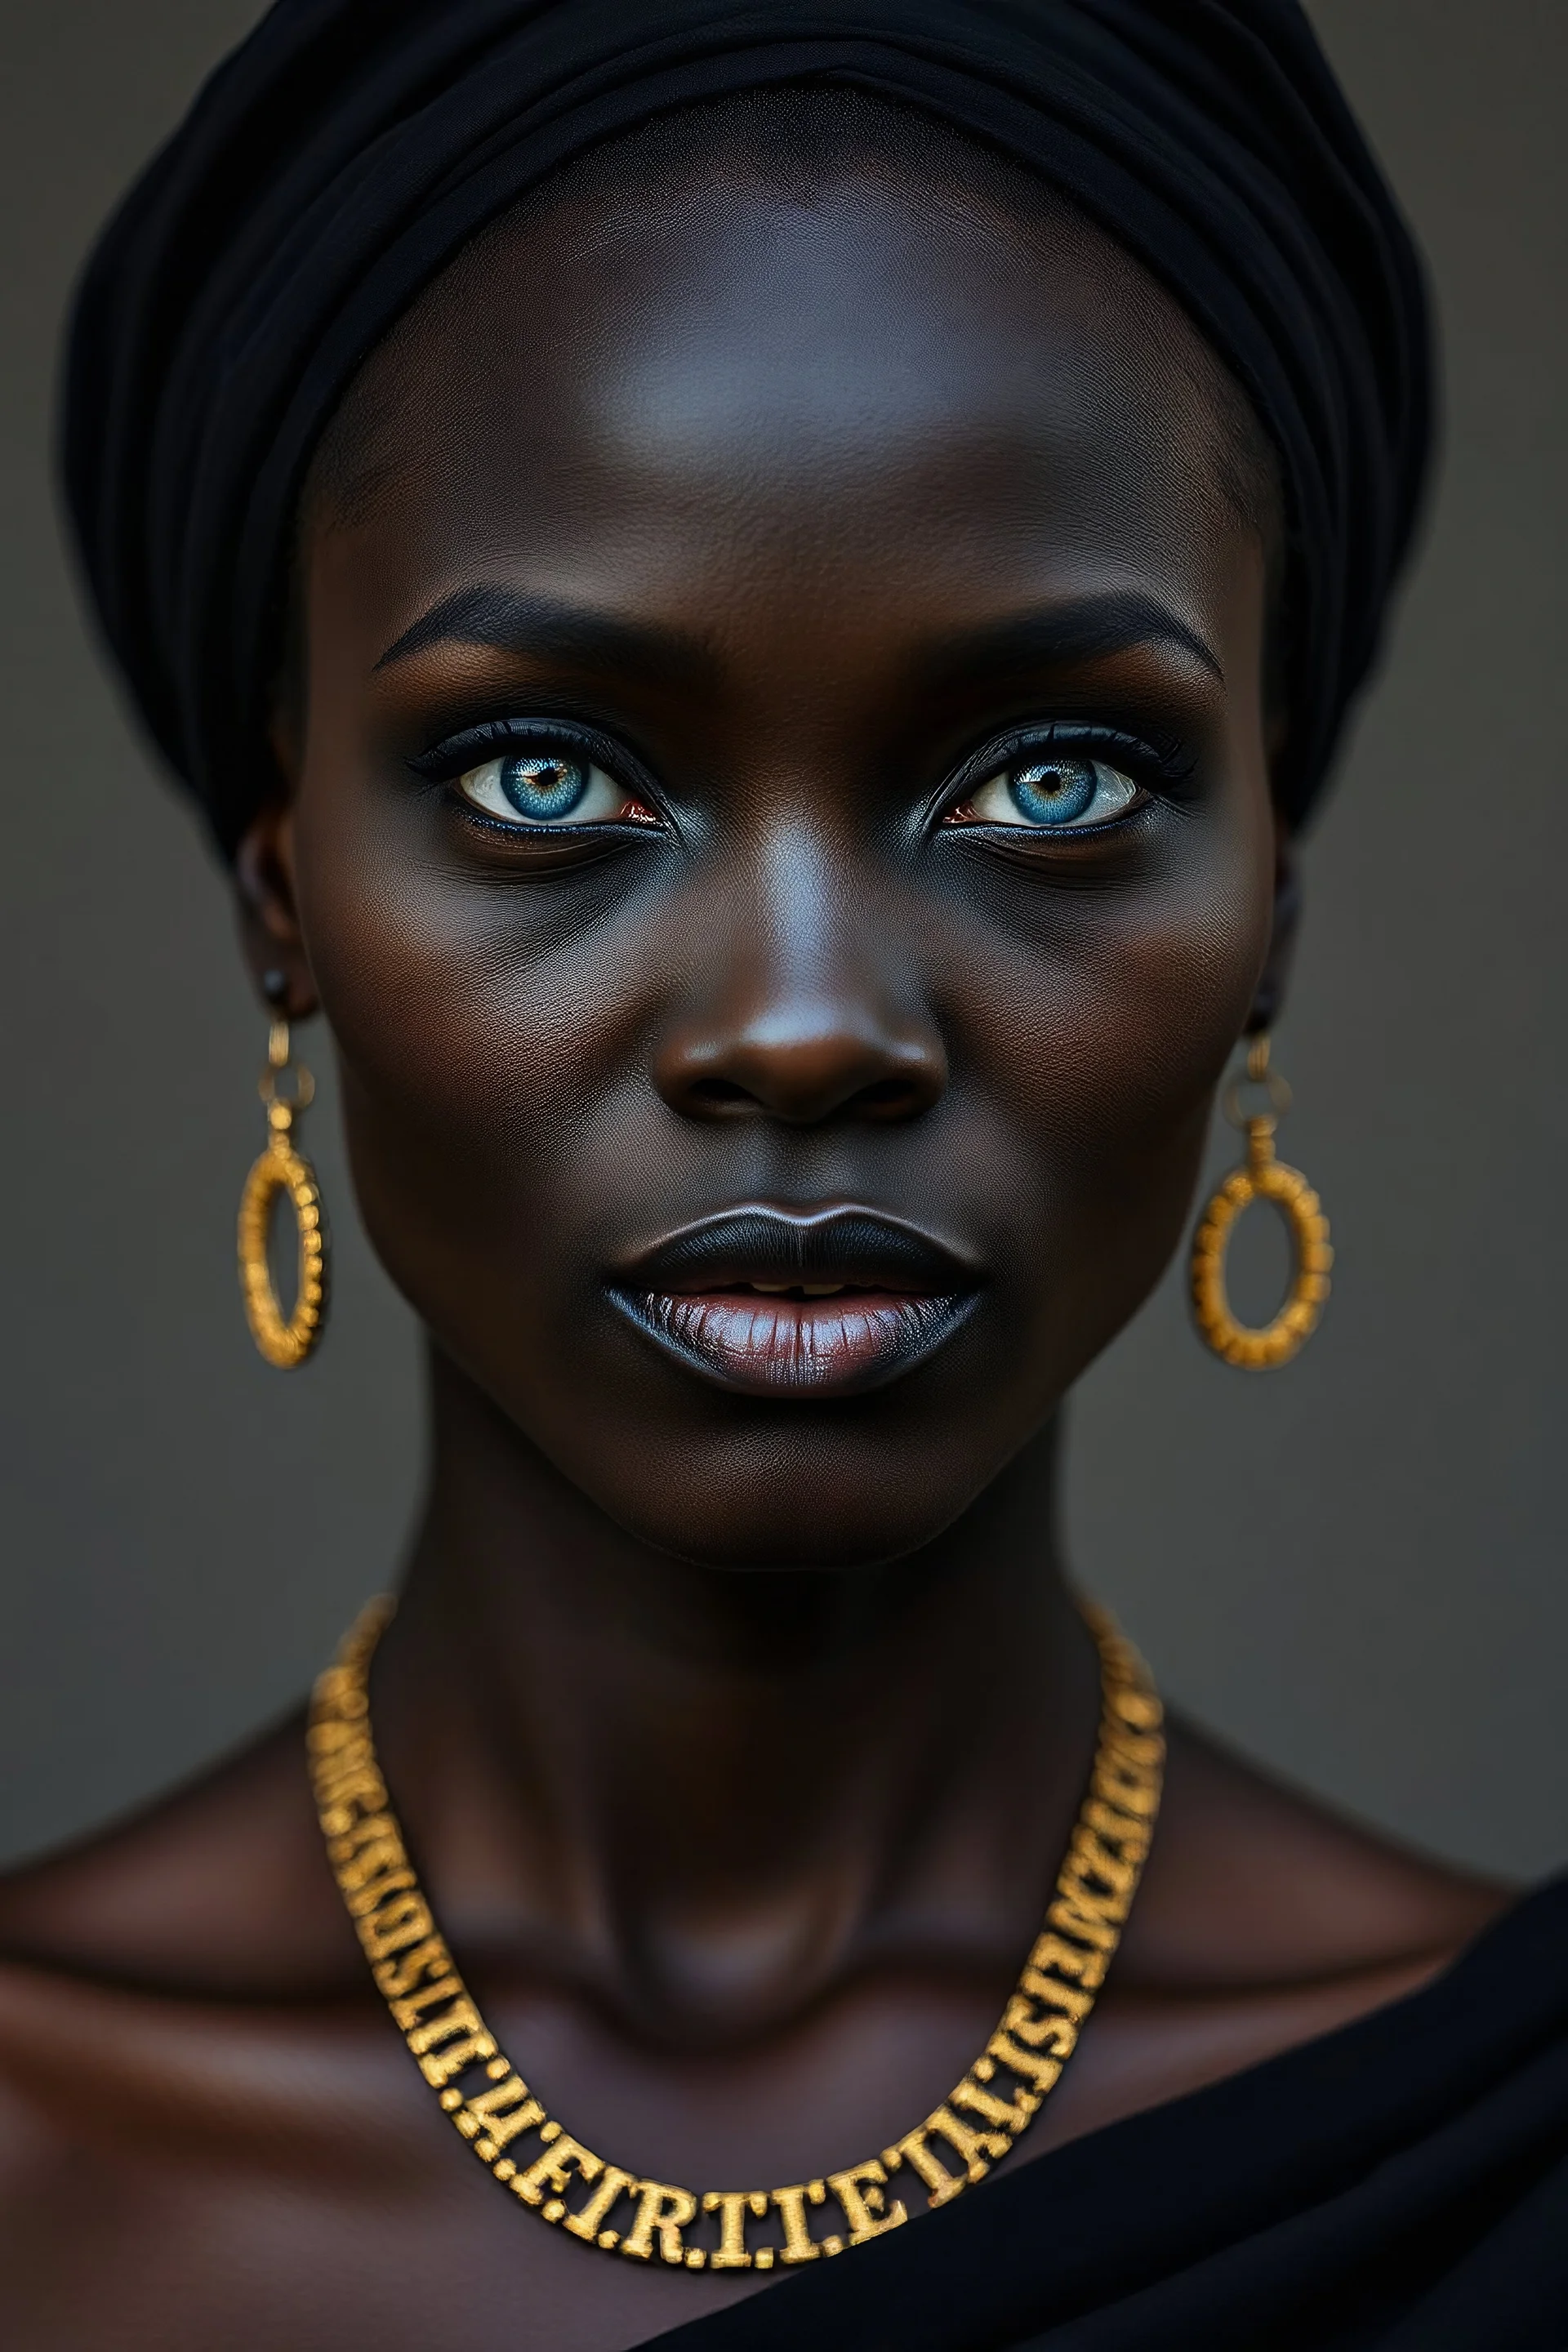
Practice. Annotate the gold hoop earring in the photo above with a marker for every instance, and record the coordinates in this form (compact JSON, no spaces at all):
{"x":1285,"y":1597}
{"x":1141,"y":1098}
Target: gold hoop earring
{"x":285,"y":1342}
{"x":1261,"y":1349}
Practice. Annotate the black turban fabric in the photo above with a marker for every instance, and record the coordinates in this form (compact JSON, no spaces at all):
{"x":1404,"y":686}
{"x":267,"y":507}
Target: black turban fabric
{"x":341,"y":157}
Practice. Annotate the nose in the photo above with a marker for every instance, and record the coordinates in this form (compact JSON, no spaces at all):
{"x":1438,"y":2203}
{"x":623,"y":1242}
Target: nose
{"x":807,"y":1009}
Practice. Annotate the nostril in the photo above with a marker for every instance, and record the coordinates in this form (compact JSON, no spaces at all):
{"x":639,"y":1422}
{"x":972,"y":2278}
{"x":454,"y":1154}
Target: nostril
{"x":720,"y":1093}
{"x":893,"y":1097}
{"x":801,"y":1074}
{"x":883,"y":1099}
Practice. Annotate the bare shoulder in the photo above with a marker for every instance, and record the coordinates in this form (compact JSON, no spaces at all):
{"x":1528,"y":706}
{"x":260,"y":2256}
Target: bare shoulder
{"x":1266,"y":1920}
{"x":219,"y":1889}
{"x":177,"y":1991}
{"x":194,"y":2087}
{"x":1252,"y":1883}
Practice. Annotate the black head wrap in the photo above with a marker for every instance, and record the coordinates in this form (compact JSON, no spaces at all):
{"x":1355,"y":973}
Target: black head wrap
{"x":344,"y":154}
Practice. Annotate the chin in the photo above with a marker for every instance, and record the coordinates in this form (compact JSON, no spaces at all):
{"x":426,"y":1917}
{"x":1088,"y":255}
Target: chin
{"x":800,"y":1518}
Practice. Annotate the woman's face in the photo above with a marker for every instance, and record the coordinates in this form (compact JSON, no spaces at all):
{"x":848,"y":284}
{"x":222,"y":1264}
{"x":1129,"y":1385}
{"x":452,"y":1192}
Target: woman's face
{"x":781,"y":834}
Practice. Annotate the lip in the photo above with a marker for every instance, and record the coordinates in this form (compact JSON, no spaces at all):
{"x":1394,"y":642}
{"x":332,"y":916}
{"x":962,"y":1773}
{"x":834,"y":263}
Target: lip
{"x":732,"y":1298}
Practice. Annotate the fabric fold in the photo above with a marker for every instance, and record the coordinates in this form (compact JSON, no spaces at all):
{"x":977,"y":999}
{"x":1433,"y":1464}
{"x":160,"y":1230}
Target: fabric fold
{"x":1388,"y":2188}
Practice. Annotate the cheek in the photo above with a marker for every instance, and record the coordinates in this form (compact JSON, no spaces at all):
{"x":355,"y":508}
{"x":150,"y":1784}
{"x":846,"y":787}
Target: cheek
{"x":497,"y":1039}
{"x":485,"y":1052}
{"x":1102,"y":1022}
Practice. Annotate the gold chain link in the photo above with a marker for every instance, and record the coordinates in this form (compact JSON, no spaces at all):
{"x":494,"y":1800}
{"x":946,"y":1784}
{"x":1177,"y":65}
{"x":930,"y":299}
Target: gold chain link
{"x":541,"y":2164}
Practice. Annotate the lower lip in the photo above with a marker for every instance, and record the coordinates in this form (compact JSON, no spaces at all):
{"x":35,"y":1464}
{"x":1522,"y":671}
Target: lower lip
{"x":792,"y":1347}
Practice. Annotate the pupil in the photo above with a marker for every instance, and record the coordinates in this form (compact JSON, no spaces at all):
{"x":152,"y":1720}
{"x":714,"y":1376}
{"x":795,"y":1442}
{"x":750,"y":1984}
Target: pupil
{"x":541,"y":784}
{"x":1053,"y":792}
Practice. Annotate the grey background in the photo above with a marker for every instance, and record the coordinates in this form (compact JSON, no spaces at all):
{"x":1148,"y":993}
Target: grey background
{"x":1354,"y":1568}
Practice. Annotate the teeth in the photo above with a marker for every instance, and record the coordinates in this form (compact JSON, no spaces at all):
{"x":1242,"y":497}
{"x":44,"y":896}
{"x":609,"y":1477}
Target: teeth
{"x":771,"y":1289}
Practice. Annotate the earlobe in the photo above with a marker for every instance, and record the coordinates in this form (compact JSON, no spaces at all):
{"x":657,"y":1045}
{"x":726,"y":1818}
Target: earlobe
{"x":1269,"y":997}
{"x":269,"y":918}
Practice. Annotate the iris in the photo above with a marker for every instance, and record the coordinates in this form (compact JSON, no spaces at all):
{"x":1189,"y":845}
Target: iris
{"x":541,"y":784}
{"x":1053,"y":792}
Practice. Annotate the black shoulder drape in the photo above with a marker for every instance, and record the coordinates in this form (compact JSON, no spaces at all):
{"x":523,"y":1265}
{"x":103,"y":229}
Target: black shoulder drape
{"x":1399,"y":2186}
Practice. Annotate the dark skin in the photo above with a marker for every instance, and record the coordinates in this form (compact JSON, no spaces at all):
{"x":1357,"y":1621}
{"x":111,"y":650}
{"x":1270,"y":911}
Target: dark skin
{"x":739,"y":1735}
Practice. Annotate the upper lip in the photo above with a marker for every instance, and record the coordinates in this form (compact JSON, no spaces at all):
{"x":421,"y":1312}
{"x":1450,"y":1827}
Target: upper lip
{"x":861,"y":1248}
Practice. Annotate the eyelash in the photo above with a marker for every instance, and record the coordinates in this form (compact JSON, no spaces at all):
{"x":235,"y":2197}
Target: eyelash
{"x":1159,"y":764}
{"x":1162,"y":766}
{"x":490,"y":739}
{"x":456,"y":754}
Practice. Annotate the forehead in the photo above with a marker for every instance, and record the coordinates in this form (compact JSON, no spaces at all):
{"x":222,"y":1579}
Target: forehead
{"x":877,"y":373}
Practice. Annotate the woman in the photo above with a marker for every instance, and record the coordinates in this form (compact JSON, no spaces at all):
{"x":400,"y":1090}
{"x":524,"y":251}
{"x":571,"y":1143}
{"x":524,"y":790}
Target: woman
{"x":755,"y":598}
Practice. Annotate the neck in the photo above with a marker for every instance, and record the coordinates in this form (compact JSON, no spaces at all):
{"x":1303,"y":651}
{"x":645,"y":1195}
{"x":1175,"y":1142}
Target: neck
{"x":718,"y":1789}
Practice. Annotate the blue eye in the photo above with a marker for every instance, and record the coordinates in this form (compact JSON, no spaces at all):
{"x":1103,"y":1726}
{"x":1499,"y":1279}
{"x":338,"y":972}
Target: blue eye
{"x":543,"y":785}
{"x":540,"y":785}
{"x":1051,"y":791}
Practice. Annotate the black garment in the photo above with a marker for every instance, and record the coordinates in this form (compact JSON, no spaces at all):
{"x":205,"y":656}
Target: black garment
{"x":1401,"y":2184}
{"x":349,"y":148}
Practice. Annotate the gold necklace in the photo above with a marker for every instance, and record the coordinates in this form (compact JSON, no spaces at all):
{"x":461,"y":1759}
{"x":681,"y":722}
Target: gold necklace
{"x":544,"y":2167}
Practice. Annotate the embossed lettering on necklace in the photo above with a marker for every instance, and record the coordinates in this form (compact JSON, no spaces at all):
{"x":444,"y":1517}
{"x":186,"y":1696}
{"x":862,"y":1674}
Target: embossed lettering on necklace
{"x":627,"y":2214}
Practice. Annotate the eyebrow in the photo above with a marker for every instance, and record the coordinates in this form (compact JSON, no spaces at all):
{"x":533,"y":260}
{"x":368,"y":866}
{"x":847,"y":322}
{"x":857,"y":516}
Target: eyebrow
{"x":1088,"y":629}
{"x":1055,"y":636}
{"x":510,"y":622}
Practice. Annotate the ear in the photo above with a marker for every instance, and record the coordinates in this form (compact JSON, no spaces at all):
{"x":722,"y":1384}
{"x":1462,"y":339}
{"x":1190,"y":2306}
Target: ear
{"x":1269,"y":997}
{"x":268,"y":916}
